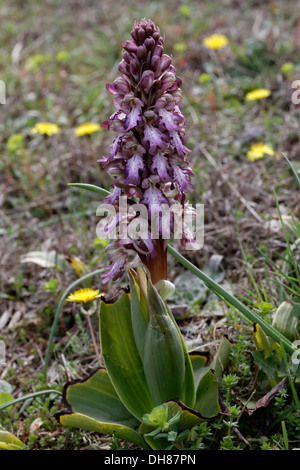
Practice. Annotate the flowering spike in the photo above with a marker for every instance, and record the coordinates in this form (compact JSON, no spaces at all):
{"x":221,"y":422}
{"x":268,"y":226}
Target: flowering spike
{"x":148,"y":156}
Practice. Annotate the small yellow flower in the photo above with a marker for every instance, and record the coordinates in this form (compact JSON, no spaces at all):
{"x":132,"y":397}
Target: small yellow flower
{"x":287,"y":68}
{"x":216,"y":41}
{"x":258,"y":151}
{"x":61,"y":56}
{"x":274,"y":8}
{"x":204,"y":78}
{"x":79,"y":267}
{"x":180,"y":47}
{"x":45,"y":128}
{"x":86,"y":129}
{"x":257,"y":94}
{"x":84,"y":295}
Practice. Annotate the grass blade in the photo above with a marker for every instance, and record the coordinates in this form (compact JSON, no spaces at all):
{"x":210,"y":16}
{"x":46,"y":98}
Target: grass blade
{"x":234,"y":302}
{"x":91,"y":187}
{"x":293,"y":169}
{"x":26,"y":397}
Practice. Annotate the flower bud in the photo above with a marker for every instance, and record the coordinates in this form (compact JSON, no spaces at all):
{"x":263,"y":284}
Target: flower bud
{"x":150,"y":44}
{"x":134,"y":69}
{"x":141,"y":34}
{"x":165,"y":289}
{"x":127,"y":57}
{"x":149,"y":29}
{"x":141,"y":52}
{"x":155,"y":62}
{"x":130,"y":46}
{"x":167,"y":81}
{"x":159,"y":50}
{"x":123,"y":67}
{"x":164,"y":63}
{"x":284,"y":320}
{"x":147,"y":80}
{"x":119,"y":86}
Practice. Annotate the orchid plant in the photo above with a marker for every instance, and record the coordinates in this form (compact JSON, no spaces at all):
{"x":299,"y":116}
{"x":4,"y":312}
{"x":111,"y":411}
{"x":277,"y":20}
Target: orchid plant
{"x":149,"y":381}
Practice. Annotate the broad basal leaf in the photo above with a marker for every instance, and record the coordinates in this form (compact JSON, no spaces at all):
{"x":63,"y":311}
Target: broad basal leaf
{"x":208,"y":401}
{"x":139,"y":312}
{"x":92,"y":404}
{"x":198,"y":362}
{"x":121,"y":355}
{"x":163,"y":355}
{"x":221,"y":358}
{"x":188,"y":391}
{"x":10,"y":442}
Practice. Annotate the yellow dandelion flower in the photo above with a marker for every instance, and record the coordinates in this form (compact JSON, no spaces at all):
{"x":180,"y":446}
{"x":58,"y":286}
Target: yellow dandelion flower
{"x":287,"y":68}
{"x":84,"y":295}
{"x":204,"y":78}
{"x":45,"y":128}
{"x":180,"y":47}
{"x":257,"y":94}
{"x":258,"y":151}
{"x":86,"y":129}
{"x":216,"y":41}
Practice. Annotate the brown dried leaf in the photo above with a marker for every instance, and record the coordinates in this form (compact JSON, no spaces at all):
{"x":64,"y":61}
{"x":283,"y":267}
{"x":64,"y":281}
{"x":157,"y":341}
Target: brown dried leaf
{"x":266,"y":399}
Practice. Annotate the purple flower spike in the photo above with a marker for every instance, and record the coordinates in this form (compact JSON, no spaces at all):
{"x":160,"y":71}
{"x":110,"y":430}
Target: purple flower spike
{"x":148,"y":155}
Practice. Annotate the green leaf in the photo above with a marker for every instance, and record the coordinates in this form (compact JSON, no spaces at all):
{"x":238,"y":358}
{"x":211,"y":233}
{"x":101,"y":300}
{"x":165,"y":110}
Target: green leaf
{"x":91,"y":187}
{"x":243,"y":310}
{"x":5,"y":398}
{"x":79,"y":421}
{"x":157,"y":417}
{"x":264,"y":343}
{"x":121,"y":356}
{"x":93,"y":404}
{"x":218,"y":364}
{"x":261,"y":340}
{"x":221,"y":358}
{"x":188,"y":418}
{"x":10,"y":442}
{"x":188,"y":391}
{"x":163,"y":355}
{"x":208,"y":401}
{"x":293,"y":169}
{"x":198,"y":362}
{"x":139,"y":312}
{"x":270,"y":365}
